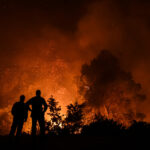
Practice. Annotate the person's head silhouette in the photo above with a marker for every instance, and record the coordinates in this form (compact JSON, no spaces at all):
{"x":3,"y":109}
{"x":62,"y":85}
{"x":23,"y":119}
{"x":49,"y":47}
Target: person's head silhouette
{"x":38,"y":93}
{"x":22,"y":98}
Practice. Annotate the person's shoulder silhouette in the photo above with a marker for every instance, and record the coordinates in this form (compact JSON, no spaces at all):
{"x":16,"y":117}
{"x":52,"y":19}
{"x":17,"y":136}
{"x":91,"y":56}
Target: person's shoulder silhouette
{"x":19,"y":108}
{"x":37,"y":102}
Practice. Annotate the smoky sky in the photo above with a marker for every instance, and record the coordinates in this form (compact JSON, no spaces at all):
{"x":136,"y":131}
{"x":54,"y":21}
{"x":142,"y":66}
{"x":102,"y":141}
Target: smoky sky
{"x":105,"y":84}
{"x":44,"y":43}
{"x":31,"y":15}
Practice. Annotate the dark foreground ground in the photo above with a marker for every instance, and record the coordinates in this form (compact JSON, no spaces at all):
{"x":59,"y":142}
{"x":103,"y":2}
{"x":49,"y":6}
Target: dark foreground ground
{"x":75,"y":143}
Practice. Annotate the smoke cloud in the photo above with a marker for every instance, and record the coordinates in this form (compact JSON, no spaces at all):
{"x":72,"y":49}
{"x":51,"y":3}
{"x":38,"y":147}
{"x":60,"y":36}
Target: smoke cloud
{"x":105,"y":85}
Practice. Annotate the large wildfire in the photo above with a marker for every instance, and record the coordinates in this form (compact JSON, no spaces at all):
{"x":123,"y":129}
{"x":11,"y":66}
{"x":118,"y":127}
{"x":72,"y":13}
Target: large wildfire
{"x":58,"y":47}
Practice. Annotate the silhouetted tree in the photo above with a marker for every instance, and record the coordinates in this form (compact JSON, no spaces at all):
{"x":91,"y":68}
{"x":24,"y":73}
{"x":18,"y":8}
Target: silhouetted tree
{"x":73,"y":121}
{"x":55,"y":124}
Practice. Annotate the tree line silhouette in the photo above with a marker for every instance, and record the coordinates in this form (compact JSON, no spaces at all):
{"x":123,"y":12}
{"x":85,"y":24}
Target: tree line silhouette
{"x":73,"y":123}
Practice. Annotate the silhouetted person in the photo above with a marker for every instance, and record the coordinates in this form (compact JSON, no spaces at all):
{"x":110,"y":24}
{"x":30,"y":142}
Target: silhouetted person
{"x":38,"y":110}
{"x":20,"y":113}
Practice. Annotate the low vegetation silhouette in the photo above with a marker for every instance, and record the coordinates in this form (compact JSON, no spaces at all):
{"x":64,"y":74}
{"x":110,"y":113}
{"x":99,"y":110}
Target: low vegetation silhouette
{"x":103,"y":126}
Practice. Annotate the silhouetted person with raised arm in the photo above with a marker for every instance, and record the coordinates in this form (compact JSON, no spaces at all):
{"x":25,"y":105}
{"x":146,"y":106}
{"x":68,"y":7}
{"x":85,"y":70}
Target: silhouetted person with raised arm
{"x":38,"y":110}
{"x":20,"y":114}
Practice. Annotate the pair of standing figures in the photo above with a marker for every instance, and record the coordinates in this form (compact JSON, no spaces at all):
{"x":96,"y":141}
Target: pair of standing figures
{"x":37,"y":105}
